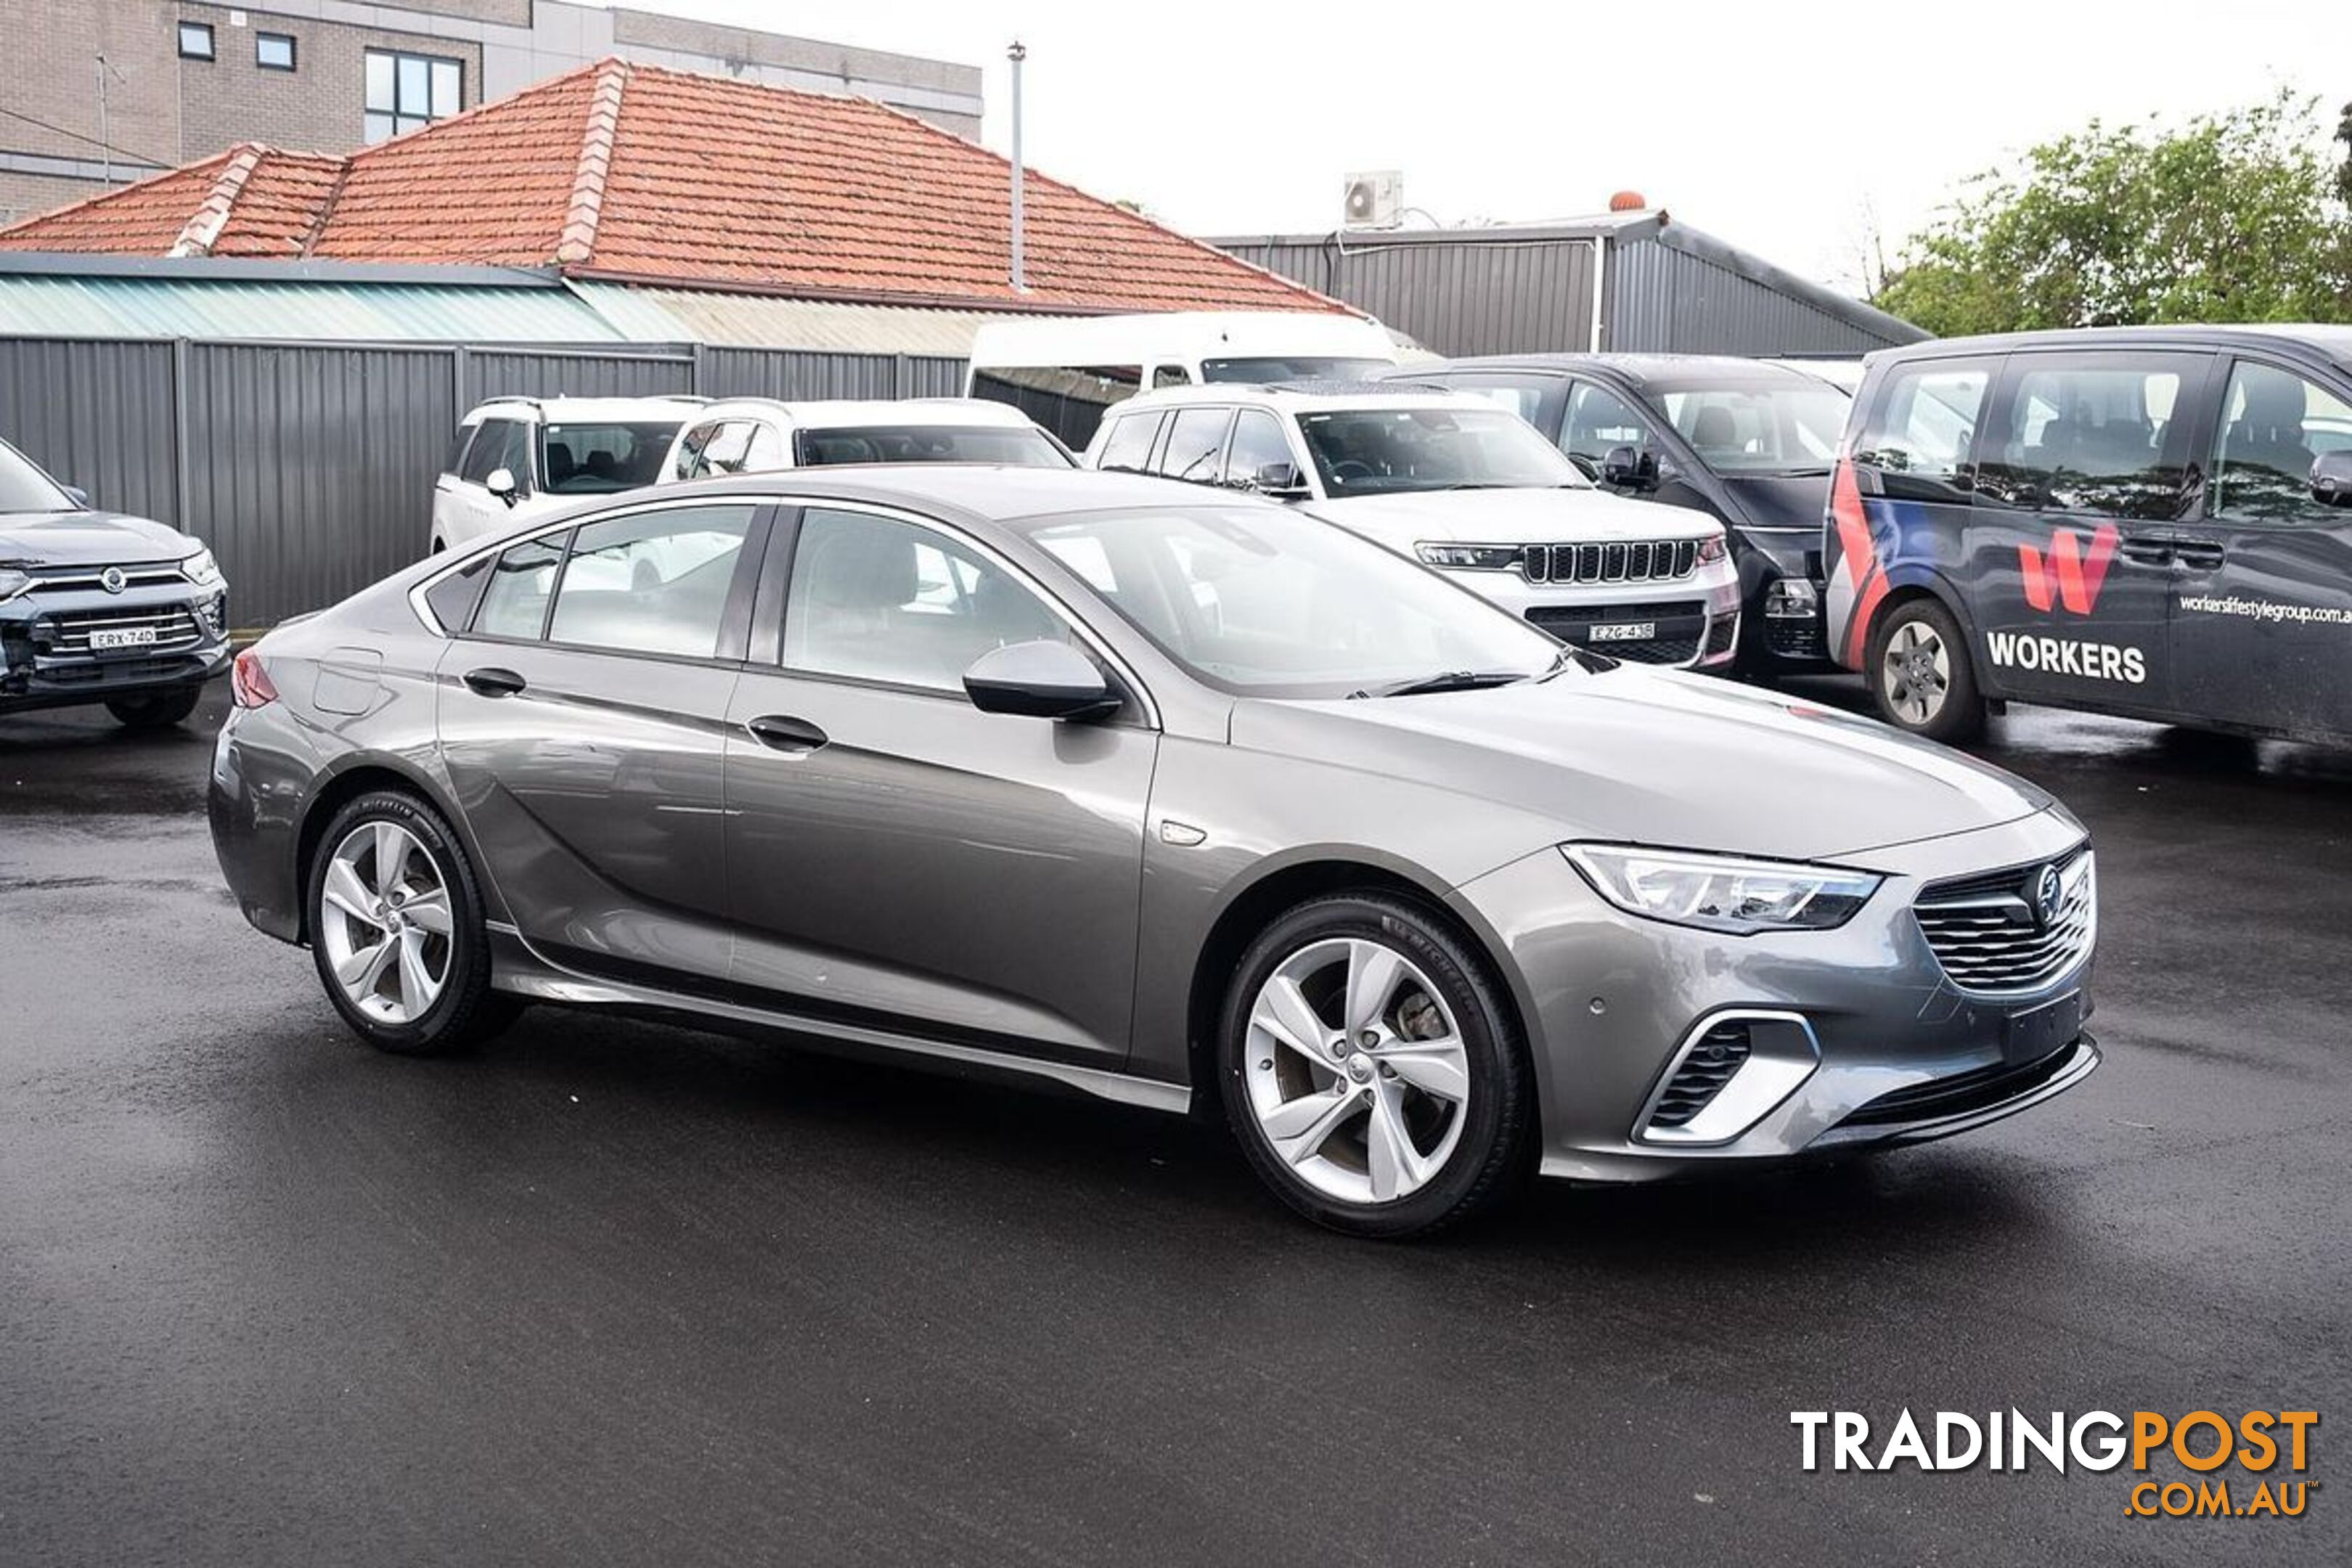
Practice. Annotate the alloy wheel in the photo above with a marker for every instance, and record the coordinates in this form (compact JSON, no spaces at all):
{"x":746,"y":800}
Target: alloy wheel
{"x":384,"y":922}
{"x":1917,"y":673}
{"x":1357,"y":1071}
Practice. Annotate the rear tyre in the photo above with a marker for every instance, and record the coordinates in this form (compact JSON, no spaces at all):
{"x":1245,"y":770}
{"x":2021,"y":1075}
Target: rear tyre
{"x":1920,"y":676}
{"x":1372,"y":1072}
{"x":154,"y":710}
{"x":396,"y":929}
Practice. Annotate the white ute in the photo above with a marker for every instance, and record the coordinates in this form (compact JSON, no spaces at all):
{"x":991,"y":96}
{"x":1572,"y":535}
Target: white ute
{"x":1466,"y":488}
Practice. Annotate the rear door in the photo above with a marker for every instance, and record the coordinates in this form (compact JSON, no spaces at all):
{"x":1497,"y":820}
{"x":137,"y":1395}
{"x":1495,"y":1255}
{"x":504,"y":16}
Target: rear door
{"x":583,"y":723}
{"x":1195,"y":450}
{"x":2084,"y":473}
{"x":901,"y":860}
{"x":2262,"y":607}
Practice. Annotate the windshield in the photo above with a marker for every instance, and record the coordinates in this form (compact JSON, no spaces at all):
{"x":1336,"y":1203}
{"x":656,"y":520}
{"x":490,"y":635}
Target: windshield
{"x":597,"y":459}
{"x":1293,"y":367}
{"x":1268,"y":601}
{"x":1012,"y":447}
{"x":1386,"y":451}
{"x":24,"y":488}
{"x":1758,"y":427}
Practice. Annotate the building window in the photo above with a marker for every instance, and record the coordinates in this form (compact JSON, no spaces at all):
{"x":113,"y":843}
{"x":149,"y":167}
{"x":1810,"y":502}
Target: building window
{"x":195,"y":40}
{"x":407,"y":92}
{"x":274,"y":51}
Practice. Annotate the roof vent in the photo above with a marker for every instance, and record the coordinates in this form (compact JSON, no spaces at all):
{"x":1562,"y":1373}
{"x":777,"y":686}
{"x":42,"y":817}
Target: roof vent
{"x":1629,"y":202}
{"x":1374,"y":200}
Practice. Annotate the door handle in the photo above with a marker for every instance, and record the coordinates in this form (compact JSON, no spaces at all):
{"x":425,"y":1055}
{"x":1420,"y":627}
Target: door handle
{"x":780,"y":733}
{"x":493,"y":681}
{"x":2146,"y":552}
{"x":2196,"y":555}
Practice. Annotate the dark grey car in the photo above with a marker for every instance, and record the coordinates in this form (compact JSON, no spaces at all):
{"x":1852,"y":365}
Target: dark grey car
{"x":96,"y":608}
{"x":1179,"y":801}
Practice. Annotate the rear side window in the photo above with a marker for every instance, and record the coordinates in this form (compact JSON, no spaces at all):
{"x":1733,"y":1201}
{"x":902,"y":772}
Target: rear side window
{"x":452,"y":598}
{"x":515,"y":604}
{"x":2101,"y":433}
{"x":1196,"y":441}
{"x":652,"y":582}
{"x":1128,"y":447}
{"x":1919,"y":439}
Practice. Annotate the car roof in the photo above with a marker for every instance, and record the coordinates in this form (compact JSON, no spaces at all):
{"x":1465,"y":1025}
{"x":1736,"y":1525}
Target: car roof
{"x":971,"y":492}
{"x":1298,"y":396}
{"x":1637,"y":369}
{"x":2327,"y":342}
{"x":560,"y":410}
{"x":840,"y":413}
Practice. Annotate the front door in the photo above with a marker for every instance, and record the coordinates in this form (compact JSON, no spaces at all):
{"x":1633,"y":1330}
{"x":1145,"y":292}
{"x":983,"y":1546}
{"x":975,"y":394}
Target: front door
{"x":902,"y":860}
{"x":2083,"y":474}
{"x":581,"y":720}
{"x":2261,"y":608}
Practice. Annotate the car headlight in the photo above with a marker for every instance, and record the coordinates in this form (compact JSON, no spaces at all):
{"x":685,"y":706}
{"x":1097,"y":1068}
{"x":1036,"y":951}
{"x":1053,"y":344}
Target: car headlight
{"x":1470,"y":557}
{"x":1712,"y":549}
{"x":1721,"y":893}
{"x":202,"y":570}
{"x":12,"y":583}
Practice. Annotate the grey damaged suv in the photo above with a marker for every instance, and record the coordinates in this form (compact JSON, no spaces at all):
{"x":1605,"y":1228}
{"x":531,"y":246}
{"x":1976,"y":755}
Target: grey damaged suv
{"x":1180,"y":801}
{"x":96,"y":608}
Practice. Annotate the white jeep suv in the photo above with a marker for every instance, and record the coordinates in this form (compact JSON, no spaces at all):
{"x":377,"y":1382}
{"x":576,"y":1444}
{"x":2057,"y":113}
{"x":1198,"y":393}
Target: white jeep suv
{"x":1464,"y":486}
{"x":515,"y":458}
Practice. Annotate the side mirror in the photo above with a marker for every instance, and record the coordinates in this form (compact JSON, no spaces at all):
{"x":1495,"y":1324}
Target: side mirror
{"x":1629,"y":467}
{"x":77,"y":495}
{"x":2331,"y":479}
{"x":1283,"y":481}
{"x":501,"y":484}
{"x":1041,"y":679}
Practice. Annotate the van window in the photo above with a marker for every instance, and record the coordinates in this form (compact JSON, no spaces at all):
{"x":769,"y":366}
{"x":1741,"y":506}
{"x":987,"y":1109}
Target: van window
{"x":2274,"y":425}
{"x":2091,"y":433}
{"x":1196,"y":440}
{"x":1293,"y":367}
{"x":1069,"y":400}
{"x":1171,"y":376}
{"x":1259,"y":441}
{"x":1926,"y":421}
{"x":1128,"y":447}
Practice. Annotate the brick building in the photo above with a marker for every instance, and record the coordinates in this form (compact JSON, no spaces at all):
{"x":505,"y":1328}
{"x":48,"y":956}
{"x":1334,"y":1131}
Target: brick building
{"x":180,"y":82}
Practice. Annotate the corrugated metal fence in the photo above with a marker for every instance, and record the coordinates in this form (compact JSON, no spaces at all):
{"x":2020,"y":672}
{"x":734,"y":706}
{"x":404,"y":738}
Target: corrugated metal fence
{"x":308,"y":467}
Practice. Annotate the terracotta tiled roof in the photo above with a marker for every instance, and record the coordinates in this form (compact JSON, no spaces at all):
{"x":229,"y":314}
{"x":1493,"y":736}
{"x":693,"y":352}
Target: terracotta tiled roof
{"x":641,"y":173}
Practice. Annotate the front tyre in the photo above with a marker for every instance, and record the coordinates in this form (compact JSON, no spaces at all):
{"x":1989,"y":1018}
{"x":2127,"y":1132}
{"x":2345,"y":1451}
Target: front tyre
{"x":154,"y":710}
{"x":396,"y":929}
{"x":1920,"y":676}
{"x":1370,"y":1071}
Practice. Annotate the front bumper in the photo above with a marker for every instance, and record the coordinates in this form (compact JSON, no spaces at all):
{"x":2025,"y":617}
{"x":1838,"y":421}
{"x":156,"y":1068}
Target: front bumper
{"x":1884,"y":1049}
{"x":1694,"y":620}
{"x":48,"y":660}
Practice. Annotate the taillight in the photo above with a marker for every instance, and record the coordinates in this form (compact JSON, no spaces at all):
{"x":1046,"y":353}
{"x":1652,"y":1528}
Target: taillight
{"x":248,"y":682}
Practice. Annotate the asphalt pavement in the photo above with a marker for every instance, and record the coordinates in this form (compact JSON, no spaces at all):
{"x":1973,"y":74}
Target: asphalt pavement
{"x":611,"y":1292}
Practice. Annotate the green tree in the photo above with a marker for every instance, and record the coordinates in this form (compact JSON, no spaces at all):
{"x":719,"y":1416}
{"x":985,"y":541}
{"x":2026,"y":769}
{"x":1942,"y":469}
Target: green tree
{"x":2230,"y":217}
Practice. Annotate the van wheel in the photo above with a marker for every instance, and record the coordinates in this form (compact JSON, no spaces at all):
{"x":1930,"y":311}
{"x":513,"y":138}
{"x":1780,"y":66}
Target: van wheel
{"x":1920,"y":675}
{"x":154,"y":710}
{"x":1372,"y":1073}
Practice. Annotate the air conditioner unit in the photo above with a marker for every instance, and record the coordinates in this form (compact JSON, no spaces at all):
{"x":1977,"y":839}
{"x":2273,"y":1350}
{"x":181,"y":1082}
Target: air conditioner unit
{"x":1373,"y":201}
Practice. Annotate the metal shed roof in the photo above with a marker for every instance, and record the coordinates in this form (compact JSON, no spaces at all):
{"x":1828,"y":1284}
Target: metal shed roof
{"x":649,"y":314}
{"x":150,"y":307}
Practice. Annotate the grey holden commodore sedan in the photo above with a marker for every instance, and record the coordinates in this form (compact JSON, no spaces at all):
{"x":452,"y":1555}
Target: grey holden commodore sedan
{"x":1179,"y":801}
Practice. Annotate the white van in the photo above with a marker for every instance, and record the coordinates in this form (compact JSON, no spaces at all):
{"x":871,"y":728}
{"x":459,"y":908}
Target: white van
{"x":1064,"y":372}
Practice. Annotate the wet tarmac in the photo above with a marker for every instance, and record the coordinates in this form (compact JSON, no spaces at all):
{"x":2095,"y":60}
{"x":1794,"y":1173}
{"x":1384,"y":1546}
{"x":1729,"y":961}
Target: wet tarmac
{"x":611,"y":1292}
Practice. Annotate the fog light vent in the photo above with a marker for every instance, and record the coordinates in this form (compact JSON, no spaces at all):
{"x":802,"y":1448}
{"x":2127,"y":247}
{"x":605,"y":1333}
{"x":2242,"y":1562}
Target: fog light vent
{"x":1719,"y":1053}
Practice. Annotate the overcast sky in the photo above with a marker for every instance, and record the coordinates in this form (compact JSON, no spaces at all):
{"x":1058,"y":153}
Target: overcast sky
{"x":1780,"y":127}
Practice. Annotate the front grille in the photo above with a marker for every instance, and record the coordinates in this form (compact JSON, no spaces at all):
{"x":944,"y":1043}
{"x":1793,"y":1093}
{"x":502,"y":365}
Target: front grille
{"x":90,"y":579}
{"x":1719,"y":1053}
{"x":1637,"y":561}
{"x":68,"y":631}
{"x":122,"y":672}
{"x":1986,"y":934}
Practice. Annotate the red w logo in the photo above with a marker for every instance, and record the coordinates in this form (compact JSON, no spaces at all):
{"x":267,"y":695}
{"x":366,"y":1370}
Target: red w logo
{"x":2078,"y":571}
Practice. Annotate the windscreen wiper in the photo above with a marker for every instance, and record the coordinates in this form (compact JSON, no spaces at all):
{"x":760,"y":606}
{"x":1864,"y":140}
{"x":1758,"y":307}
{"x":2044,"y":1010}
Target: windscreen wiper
{"x":1446,"y":680}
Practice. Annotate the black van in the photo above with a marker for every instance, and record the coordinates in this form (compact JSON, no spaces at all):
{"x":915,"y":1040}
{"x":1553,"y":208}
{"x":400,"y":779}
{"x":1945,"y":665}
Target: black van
{"x":1749,"y":440}
{"x":2154,"y":522}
